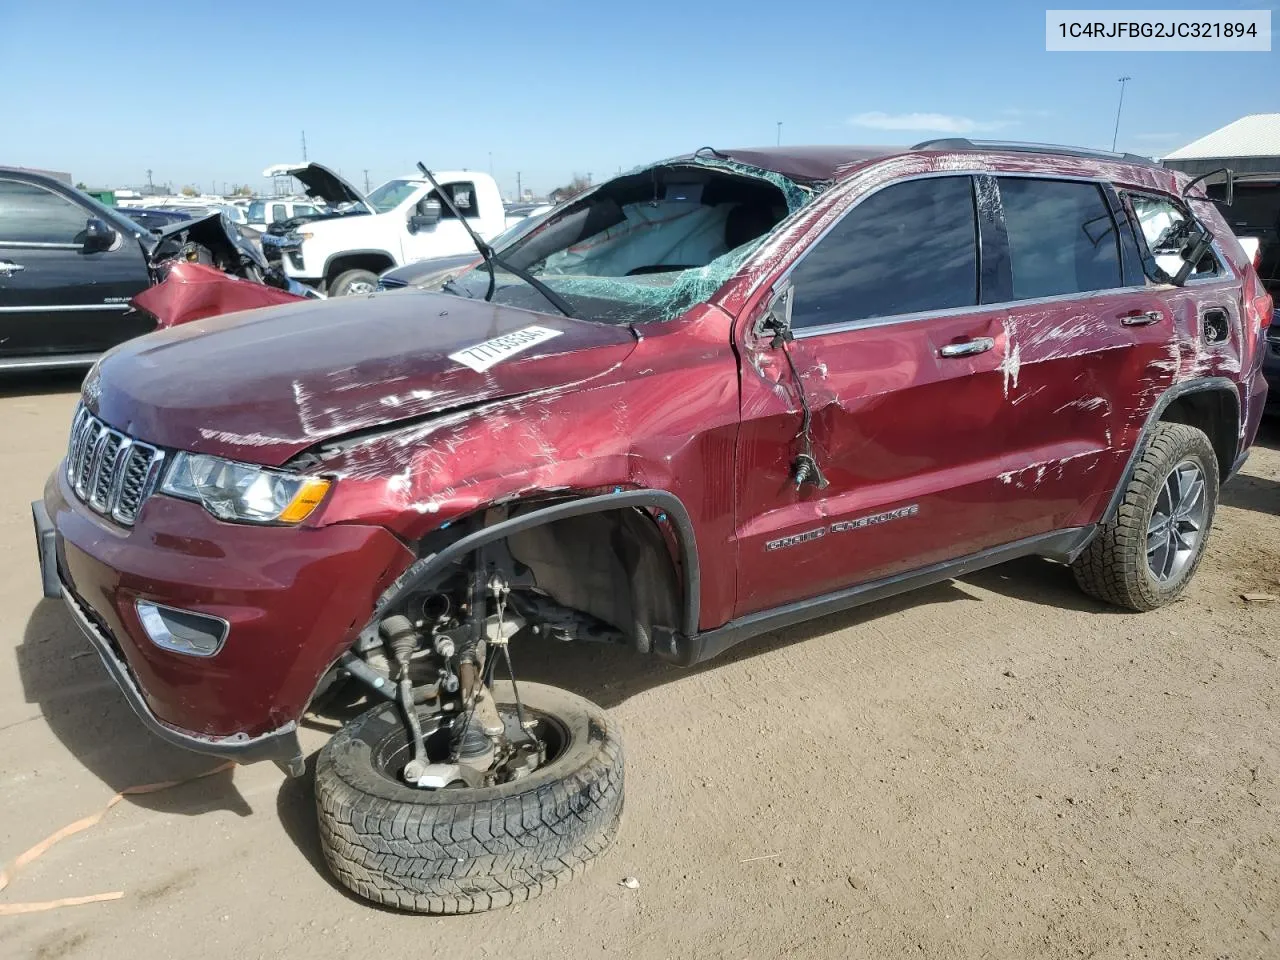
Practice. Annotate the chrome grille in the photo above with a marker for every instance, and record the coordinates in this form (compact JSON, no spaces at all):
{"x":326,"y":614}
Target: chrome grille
{"x":109,"y":471}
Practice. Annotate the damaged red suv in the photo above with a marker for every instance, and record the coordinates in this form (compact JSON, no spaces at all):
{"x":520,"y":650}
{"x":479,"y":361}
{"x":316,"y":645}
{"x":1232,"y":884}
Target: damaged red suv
{"x":707,"y":399}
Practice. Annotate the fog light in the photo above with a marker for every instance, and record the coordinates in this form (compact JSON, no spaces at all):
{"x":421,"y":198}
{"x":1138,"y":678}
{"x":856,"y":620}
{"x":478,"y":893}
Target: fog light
{"x":193,"y":634}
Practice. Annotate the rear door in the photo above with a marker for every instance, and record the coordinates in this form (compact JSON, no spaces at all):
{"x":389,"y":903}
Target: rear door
{"x":56,"y":299}
{"x":908,"y":377}
{"x":1085,"y":329}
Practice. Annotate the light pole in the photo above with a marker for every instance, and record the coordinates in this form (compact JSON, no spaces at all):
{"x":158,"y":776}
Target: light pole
{"x":1116,"y":134}
{"x":779,"y":142}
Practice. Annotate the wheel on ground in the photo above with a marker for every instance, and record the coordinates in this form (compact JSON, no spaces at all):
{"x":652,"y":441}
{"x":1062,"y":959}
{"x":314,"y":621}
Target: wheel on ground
{"x":466,"y":849}
{"x":1145,"y":555}
{"x":354,"y":283}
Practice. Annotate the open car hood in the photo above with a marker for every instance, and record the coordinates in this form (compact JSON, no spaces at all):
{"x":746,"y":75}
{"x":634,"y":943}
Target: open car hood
{"x":321,"y":183}
{"x":265,"y":385}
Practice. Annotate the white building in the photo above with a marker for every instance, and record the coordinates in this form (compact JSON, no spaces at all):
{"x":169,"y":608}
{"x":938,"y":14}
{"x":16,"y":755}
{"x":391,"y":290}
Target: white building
{"x":1250,"y":145}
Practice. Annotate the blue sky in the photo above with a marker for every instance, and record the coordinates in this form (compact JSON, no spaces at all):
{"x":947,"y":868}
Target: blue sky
{"x":213,"y":93}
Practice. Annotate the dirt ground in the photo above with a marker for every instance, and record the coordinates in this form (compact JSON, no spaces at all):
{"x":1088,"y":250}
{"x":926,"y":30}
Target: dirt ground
{"x":993,"y":767}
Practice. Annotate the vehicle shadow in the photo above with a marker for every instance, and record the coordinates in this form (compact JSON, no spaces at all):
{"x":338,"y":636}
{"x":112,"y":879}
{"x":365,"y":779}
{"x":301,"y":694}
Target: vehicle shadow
{"x":1248,"y":491}
{"x":63,"y":676}
{"x":296,"y":808}
{"x":40,"y":382}
{"x":610,"y":675}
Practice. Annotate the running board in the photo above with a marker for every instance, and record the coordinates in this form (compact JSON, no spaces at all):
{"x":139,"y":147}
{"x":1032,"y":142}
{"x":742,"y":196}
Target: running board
{"x":1063,"y":545}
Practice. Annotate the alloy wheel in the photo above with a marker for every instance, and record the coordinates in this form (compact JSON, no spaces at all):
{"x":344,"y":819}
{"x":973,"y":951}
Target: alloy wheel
{"x":1177,"y":522}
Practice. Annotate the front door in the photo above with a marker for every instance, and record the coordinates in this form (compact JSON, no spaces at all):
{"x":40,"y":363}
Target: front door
{"x":448,"y":236}
{"x":56,"y":299}
{"x":908,"y":377}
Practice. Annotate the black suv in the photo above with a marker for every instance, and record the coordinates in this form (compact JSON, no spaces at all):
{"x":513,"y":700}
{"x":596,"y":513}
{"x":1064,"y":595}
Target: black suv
{"x":68,"y":268}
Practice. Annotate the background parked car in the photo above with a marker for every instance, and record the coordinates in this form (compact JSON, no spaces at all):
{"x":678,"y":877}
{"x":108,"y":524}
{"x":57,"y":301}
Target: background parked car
{"x":428,"y":273}
{"x":69,"y":267}
{"x":401,"y":221}
{"x":262,"y":213}
{"x":154,"y":219}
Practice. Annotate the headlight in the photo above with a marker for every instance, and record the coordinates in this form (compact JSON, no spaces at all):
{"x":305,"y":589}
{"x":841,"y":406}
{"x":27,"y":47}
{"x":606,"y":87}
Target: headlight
{"x":242,"y":492}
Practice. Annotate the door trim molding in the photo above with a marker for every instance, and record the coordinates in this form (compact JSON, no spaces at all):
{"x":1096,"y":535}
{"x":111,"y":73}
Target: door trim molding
{"x":66,"y":308}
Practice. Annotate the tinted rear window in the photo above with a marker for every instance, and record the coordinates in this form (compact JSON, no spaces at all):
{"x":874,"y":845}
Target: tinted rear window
{"x":1062,"y":239}
{"x":910,"y":248}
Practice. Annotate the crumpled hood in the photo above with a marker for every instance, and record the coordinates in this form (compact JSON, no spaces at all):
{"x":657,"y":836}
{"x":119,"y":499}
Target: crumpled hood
{"x":264,"y":385}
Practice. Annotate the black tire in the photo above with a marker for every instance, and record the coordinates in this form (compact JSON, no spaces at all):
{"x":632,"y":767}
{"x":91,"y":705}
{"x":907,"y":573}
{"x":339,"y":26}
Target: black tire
{"x":343,"y":282}
{"x":468,"y":850}
{"x":1114,"y":567}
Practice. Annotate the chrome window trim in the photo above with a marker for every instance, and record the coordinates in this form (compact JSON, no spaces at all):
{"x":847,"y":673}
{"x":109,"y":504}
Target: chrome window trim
{"x":16,"y":244}
{"x":1009,"y":306}
{"x":67,"y":307}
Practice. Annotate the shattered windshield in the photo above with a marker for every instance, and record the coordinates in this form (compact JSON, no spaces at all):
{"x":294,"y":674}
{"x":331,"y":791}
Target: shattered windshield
{"x":646,"y":246}
{"x":391,"y":194}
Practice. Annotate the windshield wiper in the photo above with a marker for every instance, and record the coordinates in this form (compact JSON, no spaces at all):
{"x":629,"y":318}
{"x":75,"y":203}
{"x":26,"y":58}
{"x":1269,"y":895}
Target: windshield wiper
{"x":490,"y":258}
{"x":449,"y":283}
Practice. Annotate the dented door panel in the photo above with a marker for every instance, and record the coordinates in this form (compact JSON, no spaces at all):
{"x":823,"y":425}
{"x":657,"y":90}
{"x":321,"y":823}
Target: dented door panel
{"x":914,"y":447}
{"x":1072,"y":365}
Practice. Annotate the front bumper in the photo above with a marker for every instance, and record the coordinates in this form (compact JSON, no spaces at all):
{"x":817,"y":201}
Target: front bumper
{"x":294,"y":598}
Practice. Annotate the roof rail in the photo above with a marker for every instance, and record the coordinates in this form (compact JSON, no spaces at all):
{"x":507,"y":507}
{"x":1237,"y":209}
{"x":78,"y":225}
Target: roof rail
{"x":1013,"y":146}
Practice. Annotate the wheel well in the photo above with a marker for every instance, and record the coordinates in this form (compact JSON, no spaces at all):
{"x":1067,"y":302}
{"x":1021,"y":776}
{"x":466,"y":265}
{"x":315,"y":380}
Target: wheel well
{"x":1213,"y":412}
{"x":621,"y":566}
{"x":613,"y":565}
{"x":371,"y":261}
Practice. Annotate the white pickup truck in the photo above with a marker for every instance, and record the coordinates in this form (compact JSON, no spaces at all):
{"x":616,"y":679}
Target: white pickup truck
{"x":343,"y":251}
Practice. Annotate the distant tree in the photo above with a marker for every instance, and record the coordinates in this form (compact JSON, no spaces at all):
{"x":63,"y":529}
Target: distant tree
{"x":570,"y":189}
{"x":243,"y":190}
{"x":81,"y":186}
{"x":190,"y":191}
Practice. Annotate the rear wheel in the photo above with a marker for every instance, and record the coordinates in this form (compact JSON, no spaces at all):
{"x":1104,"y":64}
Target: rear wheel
{"x":1145,"y":555}
{"x":354,"y":283}
{"x":465,"y":849}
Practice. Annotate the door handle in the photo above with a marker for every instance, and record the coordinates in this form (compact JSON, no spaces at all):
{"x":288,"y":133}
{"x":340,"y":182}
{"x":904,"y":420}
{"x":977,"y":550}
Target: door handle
{"x":8,"y":267}
{"x":967,"y":349}
{"x":1140,"y":318}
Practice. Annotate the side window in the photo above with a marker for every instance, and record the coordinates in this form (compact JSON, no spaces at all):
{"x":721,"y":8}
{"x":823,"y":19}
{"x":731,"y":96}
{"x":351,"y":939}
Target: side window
{"x":279,"y":213}
{"x":303,"y":210}
{"x":1062,"y":238}
{"x":908,"y":248}
{"x":1166,"y":229}
{"x":32,"y":214}
{"x":463,"y":196}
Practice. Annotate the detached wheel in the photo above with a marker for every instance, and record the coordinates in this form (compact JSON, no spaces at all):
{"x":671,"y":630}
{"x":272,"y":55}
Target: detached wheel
{"x":354,"y":283}
{"x":463,"y":849}
{"x":1147,"y":553}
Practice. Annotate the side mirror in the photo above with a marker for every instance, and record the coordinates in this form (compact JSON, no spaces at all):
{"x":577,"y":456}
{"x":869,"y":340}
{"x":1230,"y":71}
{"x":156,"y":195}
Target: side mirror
{"x":97,"y":236}
{"x":425,"y":216}
{"x":776,"y":321}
